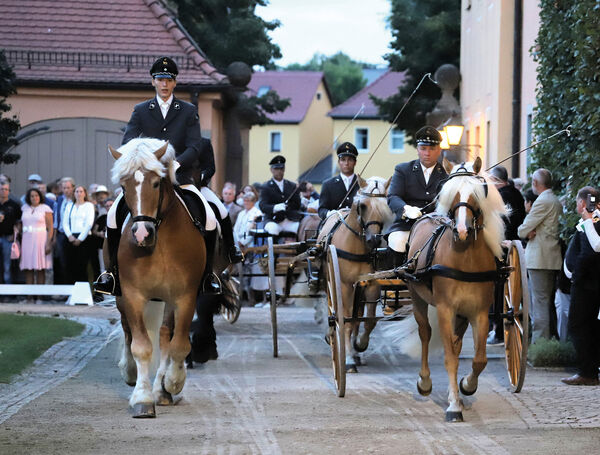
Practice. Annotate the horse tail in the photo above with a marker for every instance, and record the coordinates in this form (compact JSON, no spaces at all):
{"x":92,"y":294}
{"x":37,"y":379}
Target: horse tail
{"x":153,"y":319}
{"x":405,"y":334}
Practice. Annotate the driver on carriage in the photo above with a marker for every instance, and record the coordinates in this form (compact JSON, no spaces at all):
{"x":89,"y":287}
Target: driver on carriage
{"x":413,"y":187}
{"x":338,"y":192}
{"x":280,"y":201}
{"x":168,"y":118}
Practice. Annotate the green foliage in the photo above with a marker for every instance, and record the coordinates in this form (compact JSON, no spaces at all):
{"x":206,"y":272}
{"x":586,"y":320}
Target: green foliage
{"x":343,"y":75}
{"x":256,"y":109}
{"x":551,"y":353}
{"x":229,"y":31}
{"x":568,"y":93}
{"x":24,"y":338}
{"x":425,"y":36}
{"x":8,"y":125}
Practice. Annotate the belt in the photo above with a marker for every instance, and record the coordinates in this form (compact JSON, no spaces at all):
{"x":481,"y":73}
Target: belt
{"x":33,"y":229}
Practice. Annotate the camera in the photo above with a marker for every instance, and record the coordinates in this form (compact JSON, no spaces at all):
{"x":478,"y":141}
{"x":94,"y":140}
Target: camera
{"x":590,"y":203}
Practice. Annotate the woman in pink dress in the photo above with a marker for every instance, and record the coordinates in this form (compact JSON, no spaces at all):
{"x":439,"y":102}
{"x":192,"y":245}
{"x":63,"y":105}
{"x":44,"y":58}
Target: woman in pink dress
{"x":36,"y":241}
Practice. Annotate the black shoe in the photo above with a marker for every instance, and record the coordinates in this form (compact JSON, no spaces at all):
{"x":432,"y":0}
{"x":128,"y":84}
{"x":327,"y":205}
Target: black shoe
{"x":107,"y":283}
{"x":235,"y":255}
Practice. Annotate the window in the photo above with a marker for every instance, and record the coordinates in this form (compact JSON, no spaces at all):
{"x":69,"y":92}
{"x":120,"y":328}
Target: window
{"x":262,"y":90}
{"x":361,"y":139}
{"x":275,"y":141}
{"x":319,"y":95}
{"x":397,"y":141}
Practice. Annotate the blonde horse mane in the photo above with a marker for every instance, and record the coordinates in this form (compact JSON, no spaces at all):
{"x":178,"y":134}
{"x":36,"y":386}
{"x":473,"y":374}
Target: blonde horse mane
{"x":379,"y":205}
{"x":138,"y":154}
{"x":492,"y":207}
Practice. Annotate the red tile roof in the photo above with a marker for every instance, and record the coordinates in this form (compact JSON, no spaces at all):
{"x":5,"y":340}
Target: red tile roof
{"x":299,"y":86}
{"x":96,"y":42}
{"x":384,"y":86}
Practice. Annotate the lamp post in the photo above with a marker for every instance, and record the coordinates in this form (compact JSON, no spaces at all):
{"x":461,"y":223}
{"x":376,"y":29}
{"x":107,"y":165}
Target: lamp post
{"x":446,"y":115}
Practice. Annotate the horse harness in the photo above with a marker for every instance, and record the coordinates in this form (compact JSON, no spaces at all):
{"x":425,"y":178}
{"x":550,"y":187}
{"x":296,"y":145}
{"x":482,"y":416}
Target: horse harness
{"x":366,"y":257}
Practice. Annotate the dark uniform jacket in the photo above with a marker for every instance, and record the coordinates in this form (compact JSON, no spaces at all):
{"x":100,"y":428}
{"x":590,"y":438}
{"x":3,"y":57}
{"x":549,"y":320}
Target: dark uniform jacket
{"x":408,"y":187}
{"x":181,"y":128}
{"x":583,"y":261}
{"x":271,"y":195}
{"x":513,"y":198}
{"x":333,"y":192}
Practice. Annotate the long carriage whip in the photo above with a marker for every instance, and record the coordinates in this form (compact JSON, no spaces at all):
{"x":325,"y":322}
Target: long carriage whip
{"x":328,"y":149}
{"x":392,"y":125}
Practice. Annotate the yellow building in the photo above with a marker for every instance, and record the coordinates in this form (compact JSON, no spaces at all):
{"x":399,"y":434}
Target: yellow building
{"x":369,"y":131}
{"x":301,"y":133}
{"x":498,"y":79}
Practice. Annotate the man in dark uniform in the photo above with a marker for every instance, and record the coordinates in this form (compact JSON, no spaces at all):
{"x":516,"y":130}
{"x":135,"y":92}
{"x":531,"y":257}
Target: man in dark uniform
{"x":334,"y":193}
{"x":414,"y":185}
{"x":168,"y":118}
{"x":281,"y":214}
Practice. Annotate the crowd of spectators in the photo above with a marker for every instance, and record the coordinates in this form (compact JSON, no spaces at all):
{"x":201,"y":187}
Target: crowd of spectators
{"x":53,"y":233}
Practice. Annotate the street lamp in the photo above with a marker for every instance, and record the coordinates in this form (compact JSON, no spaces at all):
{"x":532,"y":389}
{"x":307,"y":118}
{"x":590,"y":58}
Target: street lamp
{"x":454,"y":130}
{"x":444,"y":145}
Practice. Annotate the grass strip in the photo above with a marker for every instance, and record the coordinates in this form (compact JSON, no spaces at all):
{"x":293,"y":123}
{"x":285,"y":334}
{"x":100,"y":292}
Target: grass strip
{"x":24,"y":338}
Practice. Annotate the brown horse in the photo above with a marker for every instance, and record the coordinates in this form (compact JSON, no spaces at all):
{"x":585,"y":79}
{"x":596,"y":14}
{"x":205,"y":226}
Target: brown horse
{"x":357,"y":232}
{"x":161,"y":256}
{"x":466,"y":237}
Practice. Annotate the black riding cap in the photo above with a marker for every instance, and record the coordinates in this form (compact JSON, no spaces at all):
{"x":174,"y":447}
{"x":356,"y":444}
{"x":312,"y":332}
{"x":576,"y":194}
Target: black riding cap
{"x":277,"y":162}
{"x":347,"y":149}
{"x":164,"y":67}
{"x":428,"y":135}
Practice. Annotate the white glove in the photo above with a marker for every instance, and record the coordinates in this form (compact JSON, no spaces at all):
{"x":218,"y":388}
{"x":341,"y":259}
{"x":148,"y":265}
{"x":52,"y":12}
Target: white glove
{"x":412,"y":213}
{"x":329,"y":213}
{"x":279,"y":207}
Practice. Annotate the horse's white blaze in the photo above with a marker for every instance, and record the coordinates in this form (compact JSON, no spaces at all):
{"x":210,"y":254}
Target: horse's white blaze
{"x":461,"y":218}
{"x":139,"y":178}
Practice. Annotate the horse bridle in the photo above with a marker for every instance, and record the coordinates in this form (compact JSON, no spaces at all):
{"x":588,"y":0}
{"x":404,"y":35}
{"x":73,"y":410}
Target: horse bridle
{"x":363,"y":226}
{"x":159,"y":216}
{"x":463,"y":172}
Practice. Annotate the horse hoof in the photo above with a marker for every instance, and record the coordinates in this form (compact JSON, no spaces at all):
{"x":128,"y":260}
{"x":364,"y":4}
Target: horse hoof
{"x":357,"y":360}
{"x":164,"y":399}
{"x":423,"y":392}
{"x":454,"y":416}
{"x":359,"y":348}
{"x":144,"y":411}
{"x":464,"y":391}
{"x":351,"y":368}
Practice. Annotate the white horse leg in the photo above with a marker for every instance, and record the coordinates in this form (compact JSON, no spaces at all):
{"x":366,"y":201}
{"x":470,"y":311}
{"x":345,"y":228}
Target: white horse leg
{"x":347,"y":299}
{"x":424,"y":384}
{"x":468,"y":384}
{"x":446,"y":323}
{"x":141,"y":400}
{"x":161,"y":396}
{"x":179,"y":347}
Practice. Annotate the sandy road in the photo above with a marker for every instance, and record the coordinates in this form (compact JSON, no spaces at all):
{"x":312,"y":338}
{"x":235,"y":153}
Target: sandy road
{"x":248,"y":402}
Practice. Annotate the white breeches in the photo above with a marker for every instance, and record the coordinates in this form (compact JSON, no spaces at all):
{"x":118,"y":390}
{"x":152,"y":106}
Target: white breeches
{"x":211,"y":219}
{"x":286,"y":225}
{"x":397,"y":241}
{"x":212,"y":197}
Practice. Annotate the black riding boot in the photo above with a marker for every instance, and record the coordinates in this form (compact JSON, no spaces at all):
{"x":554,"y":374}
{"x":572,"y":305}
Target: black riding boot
{"x":233,"y":252}
{"x":108,"y":281}
{"x":210,"y":283}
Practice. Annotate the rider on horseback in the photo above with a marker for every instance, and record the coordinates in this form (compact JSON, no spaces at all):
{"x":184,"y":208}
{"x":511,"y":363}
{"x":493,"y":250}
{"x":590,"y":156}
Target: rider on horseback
{"x":168,"y":118}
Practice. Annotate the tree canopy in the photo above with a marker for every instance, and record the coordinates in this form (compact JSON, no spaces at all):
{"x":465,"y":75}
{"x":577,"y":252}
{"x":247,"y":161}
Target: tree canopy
{"x":343,"y":75}
{"x":425,"y":35}
{"x":229,"y":31}
{"x":568,"y":93}
{"x":8,"y":125}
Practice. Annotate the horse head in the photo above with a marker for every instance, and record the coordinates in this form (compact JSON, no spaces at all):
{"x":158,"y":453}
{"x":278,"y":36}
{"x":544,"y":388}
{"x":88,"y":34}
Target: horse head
{"x":141,"y":168}
{"x":467,"y":198}
{"x":372,"y":209}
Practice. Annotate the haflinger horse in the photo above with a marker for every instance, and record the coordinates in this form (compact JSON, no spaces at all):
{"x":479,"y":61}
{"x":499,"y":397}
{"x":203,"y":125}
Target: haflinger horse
{"x":162,"y":256}
{"x":355,"y":233}
{"x":456,"y":252}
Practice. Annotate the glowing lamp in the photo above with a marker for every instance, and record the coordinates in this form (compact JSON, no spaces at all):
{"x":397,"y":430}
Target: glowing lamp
{"x":454,"y":133}
{"x":444,"y":145}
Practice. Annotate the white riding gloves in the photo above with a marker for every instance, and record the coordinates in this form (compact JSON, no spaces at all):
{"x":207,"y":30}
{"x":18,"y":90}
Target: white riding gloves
{"x":411,"y":212}
{"x":279,"y":207}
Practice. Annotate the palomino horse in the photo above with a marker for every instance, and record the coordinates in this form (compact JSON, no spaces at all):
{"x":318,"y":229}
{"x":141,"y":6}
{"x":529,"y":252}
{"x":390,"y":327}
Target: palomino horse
{"x":355,"y":233}
{"x":455,"y":252}
{"x":161,"y":256}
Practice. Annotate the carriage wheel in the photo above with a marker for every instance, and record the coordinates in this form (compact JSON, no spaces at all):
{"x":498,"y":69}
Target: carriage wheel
{"x":516,"y":328}
{"x":336,"y":333}
{"x":231,"y":286}
{"x":272,"y":290}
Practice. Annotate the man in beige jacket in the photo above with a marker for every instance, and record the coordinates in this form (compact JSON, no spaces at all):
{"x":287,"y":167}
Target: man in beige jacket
{"x":542,"y":255}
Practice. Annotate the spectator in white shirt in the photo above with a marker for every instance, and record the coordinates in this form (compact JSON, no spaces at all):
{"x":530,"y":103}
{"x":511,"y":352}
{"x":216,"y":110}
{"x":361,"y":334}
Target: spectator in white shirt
{"x":77,"y":224}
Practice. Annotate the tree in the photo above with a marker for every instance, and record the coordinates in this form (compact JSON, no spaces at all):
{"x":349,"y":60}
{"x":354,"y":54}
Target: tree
{"x":343,"y":75}
{"x":230,"y":31}
{"x":568,"y":93}
{"x":425,"y":36}
{"x":8,"y":125}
